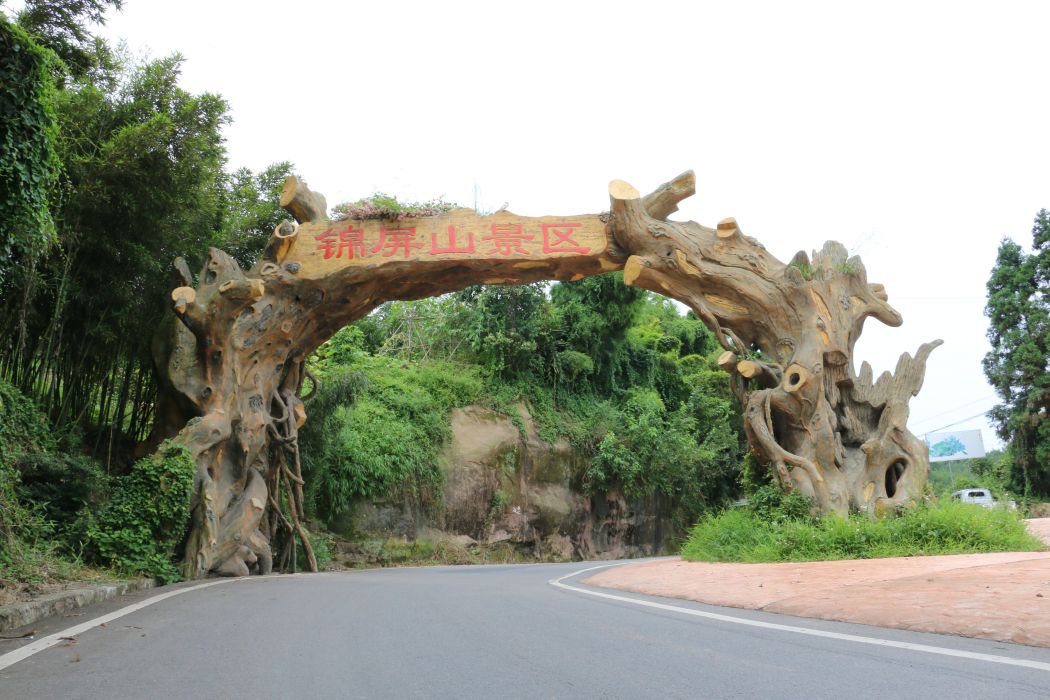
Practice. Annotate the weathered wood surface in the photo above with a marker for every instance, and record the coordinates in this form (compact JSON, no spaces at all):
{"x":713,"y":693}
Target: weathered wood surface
{"x":326,"y":247}
{"x":231,"y":361}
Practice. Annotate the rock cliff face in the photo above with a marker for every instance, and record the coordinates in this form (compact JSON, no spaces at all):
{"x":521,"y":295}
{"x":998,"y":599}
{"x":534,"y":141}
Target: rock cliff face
{"x":506,"y":485}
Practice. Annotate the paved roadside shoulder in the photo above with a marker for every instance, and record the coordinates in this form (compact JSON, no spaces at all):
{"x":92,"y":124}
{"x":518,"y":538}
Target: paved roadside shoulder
{"x":1001,"y":596}
{"x":20,"y":614}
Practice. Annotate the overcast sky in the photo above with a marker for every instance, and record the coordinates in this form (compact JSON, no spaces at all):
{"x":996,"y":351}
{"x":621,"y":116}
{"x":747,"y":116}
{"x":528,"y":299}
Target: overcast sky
{"x":915,"y":133}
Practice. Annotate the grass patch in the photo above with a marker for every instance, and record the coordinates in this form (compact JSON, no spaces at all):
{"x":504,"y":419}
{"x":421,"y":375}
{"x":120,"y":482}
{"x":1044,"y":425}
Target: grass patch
{"x":744,"y":535}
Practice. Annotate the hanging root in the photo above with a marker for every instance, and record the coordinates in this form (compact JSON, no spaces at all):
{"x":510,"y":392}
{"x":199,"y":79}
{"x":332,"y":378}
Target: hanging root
{"x":314,"y":382}
{"x":758,"y":422}
{"x":285,"y":433}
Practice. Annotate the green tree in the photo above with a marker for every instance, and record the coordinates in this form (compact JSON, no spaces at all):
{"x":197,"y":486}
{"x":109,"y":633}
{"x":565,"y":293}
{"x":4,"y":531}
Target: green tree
{"x":593,"y":316}
{"x":652,"y":450}
{"x":142,"y":183}
{"x":1019,"y":313}
{"x":508,"y":327}
{"x":426,"y":329}
{"x":252,"y":210}
{"x":61,"y":26}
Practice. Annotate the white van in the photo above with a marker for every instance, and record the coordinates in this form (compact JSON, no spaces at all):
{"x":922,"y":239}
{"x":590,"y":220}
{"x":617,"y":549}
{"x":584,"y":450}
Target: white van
{"x":981,"y":497}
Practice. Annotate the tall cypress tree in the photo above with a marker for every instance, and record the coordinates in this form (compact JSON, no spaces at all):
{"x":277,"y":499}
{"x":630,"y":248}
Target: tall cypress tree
{"x":1019,"y":311}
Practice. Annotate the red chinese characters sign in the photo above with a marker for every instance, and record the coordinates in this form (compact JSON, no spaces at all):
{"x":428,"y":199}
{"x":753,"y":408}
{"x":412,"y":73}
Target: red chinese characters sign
{"x":456,"y":235}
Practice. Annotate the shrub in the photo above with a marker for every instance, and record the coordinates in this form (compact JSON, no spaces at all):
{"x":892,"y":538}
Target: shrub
{"x":137,"y":530}
{"x":321,"y":543}
{"x":770,"y":504}
{"x":575,"y":364}
{"x":28,"y":551}
{"x":499,"y":504}
{"x":22,"y":425}
{"x":384,"y":206}
{"x":61,"y":484}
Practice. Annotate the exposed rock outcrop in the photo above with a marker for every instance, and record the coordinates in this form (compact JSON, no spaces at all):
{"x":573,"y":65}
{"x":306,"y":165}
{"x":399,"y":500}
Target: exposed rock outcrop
{"x":504,"y":484}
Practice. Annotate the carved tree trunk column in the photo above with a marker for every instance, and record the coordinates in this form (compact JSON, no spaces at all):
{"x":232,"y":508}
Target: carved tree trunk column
{"x":231,"y":370}
{"x":231,"y":359}
{"x":789,"y":332}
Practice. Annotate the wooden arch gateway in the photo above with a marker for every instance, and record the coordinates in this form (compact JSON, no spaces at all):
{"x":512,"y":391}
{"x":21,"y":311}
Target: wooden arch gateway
{"x":232,"y":367}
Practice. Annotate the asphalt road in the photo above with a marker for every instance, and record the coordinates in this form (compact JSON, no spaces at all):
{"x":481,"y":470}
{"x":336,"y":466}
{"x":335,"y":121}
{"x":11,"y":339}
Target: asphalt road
{"x":487,"y":632}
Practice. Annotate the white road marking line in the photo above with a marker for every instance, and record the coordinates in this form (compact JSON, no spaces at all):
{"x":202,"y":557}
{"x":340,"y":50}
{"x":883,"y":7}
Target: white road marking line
{"x":51,"y":640}
{"x":13,"y":657}
{"x":925,"y":648}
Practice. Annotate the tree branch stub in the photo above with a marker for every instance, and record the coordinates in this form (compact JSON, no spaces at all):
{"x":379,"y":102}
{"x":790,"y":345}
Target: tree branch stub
{"x":302,"y":203}
{"x":663,"y":201}
{"x":280,"y":242}
{"x":182,"y":298}
{"x":727,"y":228}
{"x":764,"y":374}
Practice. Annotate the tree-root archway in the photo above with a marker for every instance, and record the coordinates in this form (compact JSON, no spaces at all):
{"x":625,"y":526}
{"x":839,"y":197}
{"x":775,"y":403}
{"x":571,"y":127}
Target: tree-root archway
{"x":231,"y":359}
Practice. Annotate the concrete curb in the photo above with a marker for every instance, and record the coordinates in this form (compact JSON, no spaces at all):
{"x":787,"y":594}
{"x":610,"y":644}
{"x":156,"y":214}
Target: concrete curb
{"x":18,"y":615}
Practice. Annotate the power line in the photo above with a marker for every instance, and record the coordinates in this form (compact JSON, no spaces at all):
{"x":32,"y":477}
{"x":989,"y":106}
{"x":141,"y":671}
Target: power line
{"x":904,"y":298}
{"x":956,"y":423}
{"x":952,"y":410}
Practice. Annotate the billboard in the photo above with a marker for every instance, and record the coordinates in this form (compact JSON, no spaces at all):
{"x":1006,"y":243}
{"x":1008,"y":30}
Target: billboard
{"x":955,"y":444}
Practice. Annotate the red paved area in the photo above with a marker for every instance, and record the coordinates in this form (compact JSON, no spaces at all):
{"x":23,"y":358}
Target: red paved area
{"x":1002,"y":596}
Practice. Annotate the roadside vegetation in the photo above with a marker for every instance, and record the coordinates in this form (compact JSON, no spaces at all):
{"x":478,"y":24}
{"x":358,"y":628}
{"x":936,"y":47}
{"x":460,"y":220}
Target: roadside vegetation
{"x":778,"y":528}
{"x":34,"y":546}
{"x":108,"y":171}
{"x":63,"y":518}
{"x":992,"y":472}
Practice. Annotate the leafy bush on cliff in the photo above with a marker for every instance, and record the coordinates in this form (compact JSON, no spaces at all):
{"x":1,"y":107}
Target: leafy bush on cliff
{"x":376,"y":429}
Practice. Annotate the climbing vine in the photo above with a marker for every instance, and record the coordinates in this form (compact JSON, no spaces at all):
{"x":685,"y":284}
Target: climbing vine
{"x":29,"y":166}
